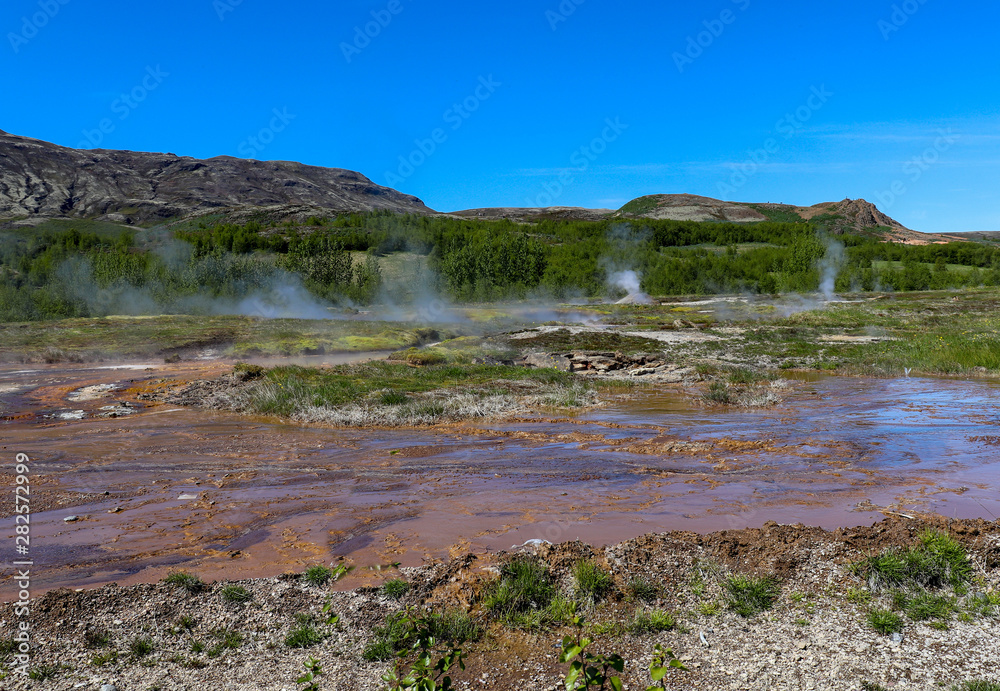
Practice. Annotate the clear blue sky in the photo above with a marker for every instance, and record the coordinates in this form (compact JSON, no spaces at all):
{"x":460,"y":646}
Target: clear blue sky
{"x":216,"y":73}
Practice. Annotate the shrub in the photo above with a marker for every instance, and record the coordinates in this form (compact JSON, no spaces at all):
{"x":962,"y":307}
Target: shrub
{"x":718,"y":392}
{"x":750,"y":595}
{"x":185,"y":581}
{"x":885,"y":621}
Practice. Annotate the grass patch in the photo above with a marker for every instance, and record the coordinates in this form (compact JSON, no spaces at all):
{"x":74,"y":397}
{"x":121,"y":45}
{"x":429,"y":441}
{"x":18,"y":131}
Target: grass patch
{"x":43,"y":672}
{"x":395,"y":589}
{"x":977,"y":685}
{"x":642,"y":589}
{"x":185,"y":581}
{"x":97,"y":637}
{"x":592,"y":582}
{"x":303,"y":636}
{"x":936,"y":561}
{"x":524,"y":587}
{"x":652,"y":621}
{"x":317,"y":575}
{"x":885,"y":621}
{"x":107,"y":658}
{"x":454,"y":627}
{"x":235,"y":593}
{"x":719,"y":393}
{"x":141,"y":647}
{"x":751,"y":595}
{"x":709,"y":609}
{"x":227,"y":639}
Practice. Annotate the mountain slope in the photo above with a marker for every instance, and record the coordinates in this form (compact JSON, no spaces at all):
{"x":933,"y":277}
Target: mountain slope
{"x":43,"y":180}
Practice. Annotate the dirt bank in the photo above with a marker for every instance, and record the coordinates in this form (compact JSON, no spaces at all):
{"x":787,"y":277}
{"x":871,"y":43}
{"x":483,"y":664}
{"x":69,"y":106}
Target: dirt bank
{"x":815,"y":636}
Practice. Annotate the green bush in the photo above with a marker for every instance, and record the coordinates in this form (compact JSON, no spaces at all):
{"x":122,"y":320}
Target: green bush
{"x":937,"y":560}
{"x":652,"y":621}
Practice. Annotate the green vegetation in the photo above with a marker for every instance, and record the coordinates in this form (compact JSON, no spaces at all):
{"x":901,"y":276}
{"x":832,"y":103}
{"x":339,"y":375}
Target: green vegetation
{"x":640,"y":206}
{"x":82,"y":269}
{"x":588,"y":670}
{"x":141,"y":647}
{"x":97,"y":637}
{"x":454,"y":627}
{"x":643,"y":589}
{"x":395,"y":588}
{"x":937,"y":560}
{"x":523,"y":590}
{"x":977,"y":685}
{"x":751,"y":595}
{"x":885,"y":621}
{"x":592,"y":582}
{"x":185,"y":581}
{"x":235,"y":593}
{"x":317,"y":575}
{"x":392,"y":393}
{"x":303,"y":636}
{"x":226,"y":639}
{"x":652,"y":621}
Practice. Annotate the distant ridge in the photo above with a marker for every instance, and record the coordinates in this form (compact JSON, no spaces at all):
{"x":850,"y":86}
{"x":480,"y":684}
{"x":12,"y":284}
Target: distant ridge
{"x":41,"y":180}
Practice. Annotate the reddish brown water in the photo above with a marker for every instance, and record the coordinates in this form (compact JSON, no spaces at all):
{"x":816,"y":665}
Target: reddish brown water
{"x":229,"y":496}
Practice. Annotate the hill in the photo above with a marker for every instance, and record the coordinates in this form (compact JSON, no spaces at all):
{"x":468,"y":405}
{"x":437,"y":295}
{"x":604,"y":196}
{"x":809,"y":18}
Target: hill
{"x":39,"y":180}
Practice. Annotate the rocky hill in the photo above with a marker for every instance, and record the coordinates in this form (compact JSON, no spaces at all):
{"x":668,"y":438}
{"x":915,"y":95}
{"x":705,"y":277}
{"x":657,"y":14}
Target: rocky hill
{"x":40,"y":180}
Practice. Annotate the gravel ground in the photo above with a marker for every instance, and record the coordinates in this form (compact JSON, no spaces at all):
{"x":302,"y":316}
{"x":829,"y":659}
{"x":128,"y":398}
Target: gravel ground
{"x":815,"y":637}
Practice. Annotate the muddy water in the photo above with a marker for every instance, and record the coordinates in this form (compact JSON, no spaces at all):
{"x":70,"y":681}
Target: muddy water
{"x":154,"y":487}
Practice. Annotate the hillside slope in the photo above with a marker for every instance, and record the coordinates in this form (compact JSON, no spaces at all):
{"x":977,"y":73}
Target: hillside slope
{"x":43,"y":180}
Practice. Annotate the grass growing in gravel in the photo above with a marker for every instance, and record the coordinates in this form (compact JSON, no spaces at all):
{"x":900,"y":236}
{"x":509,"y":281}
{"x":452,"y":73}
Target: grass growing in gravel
{"x":185,"y":581}
{"x":643,"y":589}
{"x":97,"y":638}
{"x":592,"y":582}
{"x":885,"y":621}
{"x":141,"y":647}
{"x":227,"y":639}
{"x":235,"y":593}
{"x":937,"y":560}
{"x":652,"y":621}
{"x":395,"y":588}
{"x":453,"y":627}
{"x":317,"y":575}
{"x":524,"y":587}
{"x":977,"y":685}
{"x":751,"y":595}
{"x":303,"y":636}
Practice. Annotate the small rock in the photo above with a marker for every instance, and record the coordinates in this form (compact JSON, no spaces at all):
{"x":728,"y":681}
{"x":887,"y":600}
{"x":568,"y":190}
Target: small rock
{"x":71,"y":519}
{"x":109,"y":687}
{"x":897,"y":638}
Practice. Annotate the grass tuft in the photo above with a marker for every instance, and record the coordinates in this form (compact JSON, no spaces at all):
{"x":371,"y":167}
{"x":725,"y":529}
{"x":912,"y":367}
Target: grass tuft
{"x":885,"y":621}
{"x":592,"y":582}
{"x":185,"y":581}
{"x":652,"y":621}
{"x":751,"y":595}
{"x":395,"y":589}
{"x":524,"y":586}
{"x":317,"y":575}
{"x":235,"y":593}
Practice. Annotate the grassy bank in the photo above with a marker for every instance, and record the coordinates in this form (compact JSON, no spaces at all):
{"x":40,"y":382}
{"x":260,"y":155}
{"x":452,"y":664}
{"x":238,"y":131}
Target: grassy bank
{"x":398,"y":393}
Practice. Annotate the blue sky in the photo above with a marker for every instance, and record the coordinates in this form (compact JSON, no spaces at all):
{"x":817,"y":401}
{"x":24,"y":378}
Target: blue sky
{"x":579,"y":103}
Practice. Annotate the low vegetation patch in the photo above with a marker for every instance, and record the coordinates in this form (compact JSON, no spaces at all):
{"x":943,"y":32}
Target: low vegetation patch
{"x":751,"y":595}
{"x":185,"y":581}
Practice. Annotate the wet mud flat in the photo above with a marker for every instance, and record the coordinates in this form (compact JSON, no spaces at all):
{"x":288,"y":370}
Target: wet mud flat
{"x":154,"y":487}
